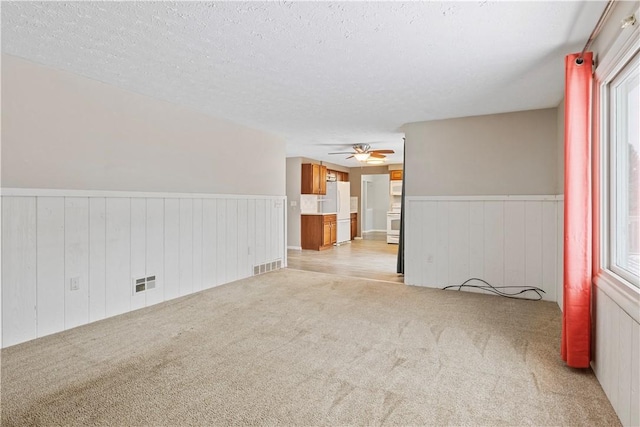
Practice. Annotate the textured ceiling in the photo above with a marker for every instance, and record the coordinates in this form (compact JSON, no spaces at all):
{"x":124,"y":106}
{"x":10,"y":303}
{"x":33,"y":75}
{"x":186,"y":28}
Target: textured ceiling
{"x":323,"y":75}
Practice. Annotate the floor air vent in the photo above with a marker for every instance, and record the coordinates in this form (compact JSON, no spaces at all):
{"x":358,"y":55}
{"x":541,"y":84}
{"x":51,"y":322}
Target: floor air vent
{"x":266,"y":267}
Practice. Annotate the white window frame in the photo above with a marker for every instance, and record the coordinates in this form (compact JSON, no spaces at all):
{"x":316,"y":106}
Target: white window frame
{"x":609,"y":148}
{"x":612,"y":281}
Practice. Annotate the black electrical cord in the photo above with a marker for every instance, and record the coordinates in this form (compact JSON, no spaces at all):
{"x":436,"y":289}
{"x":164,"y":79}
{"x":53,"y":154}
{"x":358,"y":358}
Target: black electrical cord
{"x":496,"y":289}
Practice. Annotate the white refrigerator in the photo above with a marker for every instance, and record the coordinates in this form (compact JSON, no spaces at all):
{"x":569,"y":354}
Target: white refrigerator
{"x":338,"y":201}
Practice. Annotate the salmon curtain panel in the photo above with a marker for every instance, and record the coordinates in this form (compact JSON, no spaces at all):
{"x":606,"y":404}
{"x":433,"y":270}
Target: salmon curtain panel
{"x":576,"y":316}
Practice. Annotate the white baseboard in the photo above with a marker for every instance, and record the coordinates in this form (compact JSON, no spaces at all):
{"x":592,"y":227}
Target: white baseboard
{"x":295,"y":248}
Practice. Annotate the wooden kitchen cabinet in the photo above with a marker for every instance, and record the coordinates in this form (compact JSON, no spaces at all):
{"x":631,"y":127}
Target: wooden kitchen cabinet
{"x":314,"y":179}
{"x":323,"y":180}
{"x":318,"y":232}
{"x":329,"y":236}
{"x":337,"y":175}
{"x":334,"y":229}
{"x":395,"y":175}
{"x":342,"y":176}
{"x":354,"y":225}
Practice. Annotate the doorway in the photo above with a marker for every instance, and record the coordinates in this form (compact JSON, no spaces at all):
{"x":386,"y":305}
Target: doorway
{"x":375,"y":205}
{"x":368,"y":255}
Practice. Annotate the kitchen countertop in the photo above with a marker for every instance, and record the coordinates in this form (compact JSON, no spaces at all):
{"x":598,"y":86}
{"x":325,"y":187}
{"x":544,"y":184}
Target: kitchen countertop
{"x":318,"y":213}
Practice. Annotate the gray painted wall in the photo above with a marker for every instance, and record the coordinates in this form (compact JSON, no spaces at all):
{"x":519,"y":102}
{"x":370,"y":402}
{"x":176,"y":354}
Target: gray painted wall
{"x":560,"y":172}
{"x":65,"y":131}
{"x":498,"y":154}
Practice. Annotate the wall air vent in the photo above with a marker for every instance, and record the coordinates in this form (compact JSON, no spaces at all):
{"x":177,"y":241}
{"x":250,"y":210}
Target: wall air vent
{"x":139,"y":285}
{"x":151,"y":282}
{"x":266,"y":267}
{"x":143,"y":283}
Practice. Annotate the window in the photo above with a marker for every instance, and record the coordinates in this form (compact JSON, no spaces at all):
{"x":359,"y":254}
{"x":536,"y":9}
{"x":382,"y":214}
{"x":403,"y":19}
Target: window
{"x":625,"y":162}
{"x":622,"y":206}
{"x":616,"y":123}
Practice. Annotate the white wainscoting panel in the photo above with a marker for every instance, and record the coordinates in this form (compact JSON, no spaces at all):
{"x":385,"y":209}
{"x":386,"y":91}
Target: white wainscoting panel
{"x":251,"y":232}
{"x":171,"y":248}
{"x":476,"y":239}
{"x":209,"y":242}
{"x":98,"y":243}
{"x":50,"y":288}
{"x":442,"y":242}
{"x":154,"y":265}
{"x":494,"y":229}
{"x":616,"y":361}
{"x":197,"y":245}
{"x":221,"y":242}
{"x":186,"y":247}
{"x":232,"y":240}
{"x":243,"y":249}
{"x":76,"y":265}
{"x":118,"y":256}
{"x":560,"y":252}
{"x":261,"y":230}
{"x":551,"y":242}
{"x":18,"y":270}
{"x":138,"y":250}
{"x":507,"y":241}
{"x":97,"y":258}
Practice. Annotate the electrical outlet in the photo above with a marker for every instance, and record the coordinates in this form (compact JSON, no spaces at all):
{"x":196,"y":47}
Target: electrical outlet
{"x":74,"y":283}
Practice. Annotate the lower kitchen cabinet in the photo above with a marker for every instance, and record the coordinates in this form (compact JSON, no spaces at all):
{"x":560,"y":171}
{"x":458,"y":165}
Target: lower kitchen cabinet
{"x":318,"y":232}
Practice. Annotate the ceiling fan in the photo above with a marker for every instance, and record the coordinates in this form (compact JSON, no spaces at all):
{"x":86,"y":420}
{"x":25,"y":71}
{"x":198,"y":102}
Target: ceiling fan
{"x":362,"y":152}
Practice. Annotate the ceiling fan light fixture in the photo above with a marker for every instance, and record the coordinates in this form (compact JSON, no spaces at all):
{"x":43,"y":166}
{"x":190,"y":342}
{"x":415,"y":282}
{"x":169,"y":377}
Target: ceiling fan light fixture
{"x":361,"y":157}
{"x":375,"y":161}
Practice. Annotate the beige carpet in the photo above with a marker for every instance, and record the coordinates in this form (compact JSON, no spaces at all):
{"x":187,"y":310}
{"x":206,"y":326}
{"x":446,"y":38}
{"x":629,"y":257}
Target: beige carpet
{"x":302,"y":348}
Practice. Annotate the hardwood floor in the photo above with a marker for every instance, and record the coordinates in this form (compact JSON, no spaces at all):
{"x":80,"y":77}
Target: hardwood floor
{"x":375,"y":235}
{"x":368,"y":258}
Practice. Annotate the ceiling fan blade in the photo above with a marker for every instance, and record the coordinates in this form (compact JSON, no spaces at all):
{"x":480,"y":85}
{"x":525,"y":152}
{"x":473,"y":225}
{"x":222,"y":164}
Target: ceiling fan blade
{"x":376,"y":155}
{"x":343,"y":152}
{"x":382,"y":151}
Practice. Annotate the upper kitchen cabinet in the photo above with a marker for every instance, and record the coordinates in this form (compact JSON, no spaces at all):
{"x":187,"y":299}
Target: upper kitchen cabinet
{"x":314,"y":179}
{"x":333,"y":175}
{"x":395,"y":175}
